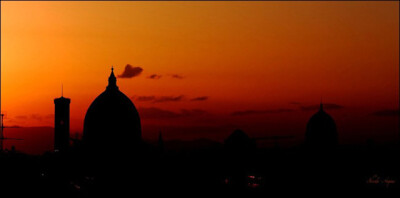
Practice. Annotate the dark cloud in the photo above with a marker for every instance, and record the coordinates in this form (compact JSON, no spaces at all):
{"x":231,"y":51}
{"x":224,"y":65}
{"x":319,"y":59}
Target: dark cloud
{"x":36,"y":117}
{"x":193,"y":112}
{"x":130,"y":72}
{"x":39,"y":117}
{"x":49,"y":116}
{"x":21,"y":117}
{"x":144,"y":98}
{"x":387,"y":113}
{"x":154,"y":76}
{"x":157,"y":99}
{"x":169,"y":98}
{"x":13,"y":126}
{"x":177,"y":76}
{"x":157,"y":113}
{"x":330,"y":106}
{"x":255,"y":112}
{"x":202,"y":98}
{"x":295,"y":103}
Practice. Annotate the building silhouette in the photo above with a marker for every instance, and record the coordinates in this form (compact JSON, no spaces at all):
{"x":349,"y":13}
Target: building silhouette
{"x":239,"y":153}
{"x":160,"y":144}
{"x":321,"y":131}
{"x":61,"y":123}
{"x":239,"y":143}
{"x":112,"y":122}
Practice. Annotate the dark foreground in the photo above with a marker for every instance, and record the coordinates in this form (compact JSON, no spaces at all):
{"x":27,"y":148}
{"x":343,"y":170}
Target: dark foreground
{"x":215,"y":170}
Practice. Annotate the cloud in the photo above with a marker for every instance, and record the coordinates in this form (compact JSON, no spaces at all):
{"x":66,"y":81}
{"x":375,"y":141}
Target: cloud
{"x":255,"y":112}
{"x":177,"y":76}
{"x":330,"y":106}
{"x":193,"y":112}
{"x":201,"y":98}
{"x":144,"y":98}
{"x":154,"y":76}
{"x":130,"y":72}
{"x":157,"y":113}
{"x":21,"y":117}
{"x":169,"y":99}
{"x":387,"y":113}
{"x":49,"y":116}
{"x":38,"y":117}
{"x":295,"y":103}
{"x":158,"y":99}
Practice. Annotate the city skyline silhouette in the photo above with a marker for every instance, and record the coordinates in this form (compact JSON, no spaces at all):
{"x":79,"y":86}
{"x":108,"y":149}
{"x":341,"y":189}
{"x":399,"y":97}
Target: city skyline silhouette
{"x":257,"y":75}
{"x":263,"y":132}
{"x":180,"y":98}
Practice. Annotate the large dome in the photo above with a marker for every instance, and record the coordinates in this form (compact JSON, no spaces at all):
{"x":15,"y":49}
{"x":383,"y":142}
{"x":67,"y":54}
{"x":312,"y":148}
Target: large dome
{"x":112,"y":121}
{"x":321,"y":130}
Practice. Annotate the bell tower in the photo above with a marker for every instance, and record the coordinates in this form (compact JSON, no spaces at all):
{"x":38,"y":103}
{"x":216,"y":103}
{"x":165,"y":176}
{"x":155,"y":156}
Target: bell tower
{"x":61,"y":123}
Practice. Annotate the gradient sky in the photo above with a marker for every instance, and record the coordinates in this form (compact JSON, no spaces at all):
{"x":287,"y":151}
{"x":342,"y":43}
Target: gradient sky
{"x":260,"y":66}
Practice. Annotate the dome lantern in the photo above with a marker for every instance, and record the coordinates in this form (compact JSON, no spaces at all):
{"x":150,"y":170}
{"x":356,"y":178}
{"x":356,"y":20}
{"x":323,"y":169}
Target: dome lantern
{"x":112,"y":80}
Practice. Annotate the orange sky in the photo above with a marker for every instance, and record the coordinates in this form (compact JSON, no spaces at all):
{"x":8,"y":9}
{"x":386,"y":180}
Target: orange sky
{"x":241,"y":55}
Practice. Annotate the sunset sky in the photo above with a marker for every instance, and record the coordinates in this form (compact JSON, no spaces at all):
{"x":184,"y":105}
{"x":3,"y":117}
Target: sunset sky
{"x":259,"y":66}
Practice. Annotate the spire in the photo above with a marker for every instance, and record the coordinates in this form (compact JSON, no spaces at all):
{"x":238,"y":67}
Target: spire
{"x":112,"y":80}
{"x":62,"y":90}
{"x":320,"y":105}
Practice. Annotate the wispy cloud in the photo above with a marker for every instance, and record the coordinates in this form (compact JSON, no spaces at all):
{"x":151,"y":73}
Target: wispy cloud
{"x":158,"y":99}
{"x":201,"y":98}
{"x":387,"y":113}
{"x":154,"y":76}
{"x":21,"y":117}
{"x":329,"y":106}
{"x":157,"y":113}
{"x":177,"y":76}
{"x":193,"y":112}
{"x":255,"y":112}
{"x":169,"y":98}
{"x":130,"y":72}
{"x":38,"y":117}
{"x":144,"y":98}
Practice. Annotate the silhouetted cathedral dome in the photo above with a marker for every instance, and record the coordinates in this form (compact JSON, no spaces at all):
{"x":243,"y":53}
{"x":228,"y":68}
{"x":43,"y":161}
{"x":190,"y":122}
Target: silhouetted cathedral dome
{"x":239,"y":141}
{"x":321,"y":130}
{"x":112,"y":121}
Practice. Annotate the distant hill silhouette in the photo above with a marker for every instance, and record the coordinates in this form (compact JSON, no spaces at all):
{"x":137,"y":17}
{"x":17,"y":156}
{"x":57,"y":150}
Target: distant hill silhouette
{"x":36,"y":140}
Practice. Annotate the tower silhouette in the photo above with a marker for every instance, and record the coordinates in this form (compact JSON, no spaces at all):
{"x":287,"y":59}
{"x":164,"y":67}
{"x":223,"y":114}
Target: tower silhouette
{"x":61,"y":123}
{"x":1,"y":131}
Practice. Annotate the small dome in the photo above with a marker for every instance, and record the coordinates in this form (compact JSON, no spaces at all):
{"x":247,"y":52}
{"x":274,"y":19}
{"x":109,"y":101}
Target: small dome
{"x":239,"y":141}
{"x":321,"y":130}
{"x":112,"y":121}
